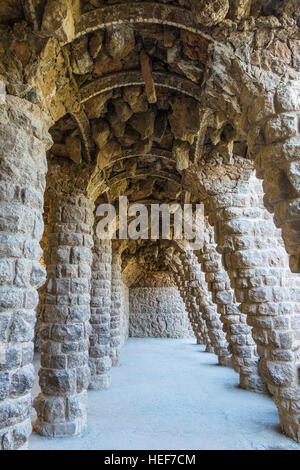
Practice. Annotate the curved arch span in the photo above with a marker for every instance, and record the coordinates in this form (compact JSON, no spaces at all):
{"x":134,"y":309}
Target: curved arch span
{"x":146,"y":12}
{"x":155,"y":153}
{"x":133,"y":78}
{"x":143,"y":173}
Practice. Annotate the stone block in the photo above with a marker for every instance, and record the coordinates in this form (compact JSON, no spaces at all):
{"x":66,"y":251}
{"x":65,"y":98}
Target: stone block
{"x":280,"y":374}
{"x":58,"y":382}
{"x":2,"y":92}
{"x":287,"y":97}
{"x":76,"y":406}
{"x":22,"y":380}
{"x":68,"y":332}
{"x":83,"y":378}
{"x":281,"y":127}
{"x":16,"y":437}
{"x":51,"y":409}
{"x":11,"y":298}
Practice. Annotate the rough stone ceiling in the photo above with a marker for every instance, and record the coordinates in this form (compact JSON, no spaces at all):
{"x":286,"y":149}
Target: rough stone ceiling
{"x":16,"y":10}
{"x":123,"y":83}
{"x":162,"y":43}
{"x":142,"y":120}
{"x":140,"y":135}
{"x":137,"y":132}
{"x":142,"y":258}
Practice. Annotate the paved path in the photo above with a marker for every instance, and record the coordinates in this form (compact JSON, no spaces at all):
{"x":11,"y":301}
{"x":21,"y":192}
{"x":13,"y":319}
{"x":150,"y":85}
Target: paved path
{"x":170,"y":394}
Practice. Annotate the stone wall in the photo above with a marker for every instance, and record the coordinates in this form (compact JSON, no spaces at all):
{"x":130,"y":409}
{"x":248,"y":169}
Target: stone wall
{"x":158,"y":312}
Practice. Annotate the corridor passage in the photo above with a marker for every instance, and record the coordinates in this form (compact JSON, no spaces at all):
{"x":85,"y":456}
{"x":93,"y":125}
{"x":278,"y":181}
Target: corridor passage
{"x":170,"y":394}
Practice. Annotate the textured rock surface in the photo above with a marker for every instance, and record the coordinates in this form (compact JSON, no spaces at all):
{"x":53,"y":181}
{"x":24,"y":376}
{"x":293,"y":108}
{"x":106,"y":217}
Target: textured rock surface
{"x":171,"y":101}
{"x":210,"y":13}
{"x":158,"y":312}
{"x":65,"y":374}
{"x":238,"y":333}
{"x":125,"y":314}
{"x":205,"y":311}
{"x":23,"y":166}
{"x":116,"y":309}
{"x":258,"y":268}
{"x":99,"y":352}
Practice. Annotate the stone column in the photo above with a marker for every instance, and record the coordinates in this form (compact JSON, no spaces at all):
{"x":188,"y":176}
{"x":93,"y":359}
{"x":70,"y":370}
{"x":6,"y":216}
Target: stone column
{"x":257,"y":264}
{"x":100,"y":361}
{"x":23,"y":166}
{"x":64,"y":374}
{"x":198,"y":326}
{"x":199,"y":337}
{"x":238,"y":333}
{"x":208,"y":309}
{"x":194,"y":315}
{"x":116,"y":307}
{"x":274,"y":142}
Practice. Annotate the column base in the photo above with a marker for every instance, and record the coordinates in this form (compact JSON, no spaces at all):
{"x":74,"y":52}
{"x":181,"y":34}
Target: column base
{"x":115,"y":356}
{"x":225,"y":361}
{"x":100,"y":382}
{"x":253,"y":383}
{"x":290,"y":426}
{"x":64,"y":429}
{"x":115,"y":361}
{"x":209,"y":349}
{"x":60,"y":416}
{"x":16,"y":437}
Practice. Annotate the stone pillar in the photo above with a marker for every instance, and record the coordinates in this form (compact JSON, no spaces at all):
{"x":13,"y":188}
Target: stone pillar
{"x":238,"y":333}
{"x":23,"y":166}
{"x":116,"y":307}
{"x":100,"y":361}
{"x":199,"y":337}
{"x":208,"y":309}
{"x":257,"y":264}
{"x":64,"y":374}
{"x":192,"y":311}
{"x":274,"y":142}
{"x":188,"y":290}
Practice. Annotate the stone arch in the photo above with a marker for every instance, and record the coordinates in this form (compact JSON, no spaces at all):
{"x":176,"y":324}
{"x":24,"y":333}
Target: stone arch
{"x":204,"y":315}
{"x":258,"y":268}
{"x":98,"y":186}
{"x":264,"y":111}
{"x":137,"y":13}
{"x":145,"y":266}
{"x":133,"y":78}
{"x":191,"y":308}
{"x":156,"y":153}
{"x":277,"y":161}
{"x":238,"y":333}
{"x":253,"y":98}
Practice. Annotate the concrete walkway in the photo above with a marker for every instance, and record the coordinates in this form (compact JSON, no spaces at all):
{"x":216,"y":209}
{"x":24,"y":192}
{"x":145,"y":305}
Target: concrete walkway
{"x":169,"y":394}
